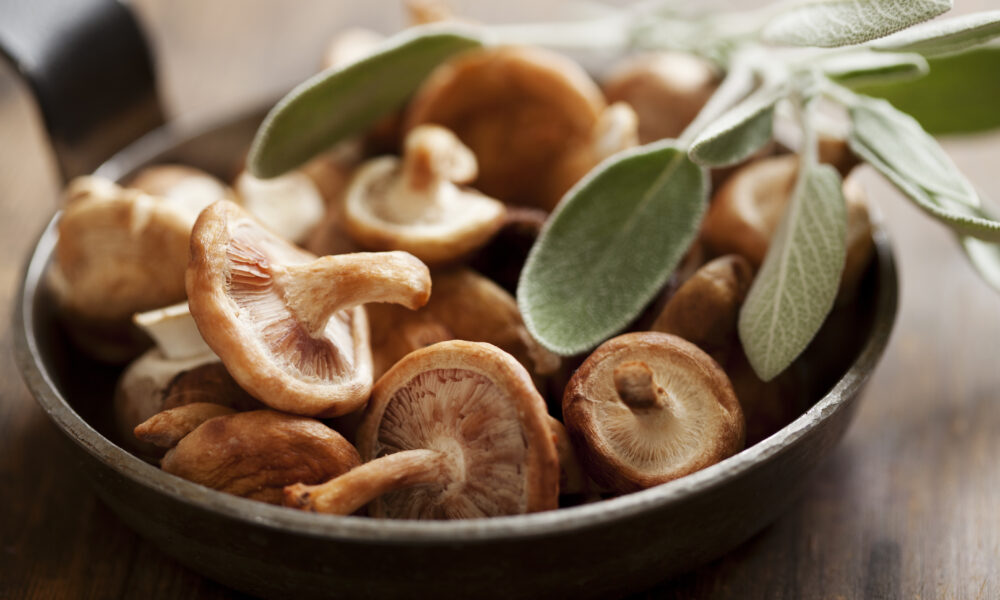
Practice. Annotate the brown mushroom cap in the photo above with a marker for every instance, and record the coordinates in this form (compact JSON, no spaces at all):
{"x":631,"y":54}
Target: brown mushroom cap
{"x":705,"y":308}
{"x":646,"y":408}
{"x":415,"y":206}
{"x":666,"y":89}
{"x":519,"y":110}
{"x":290,"y":328}
{"x":255,"y":454}
{"x":745,"y":213}
{"x":455,"y":430}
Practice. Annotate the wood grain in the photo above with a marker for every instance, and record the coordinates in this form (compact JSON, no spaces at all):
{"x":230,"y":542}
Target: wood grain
{"x":907,"y":507}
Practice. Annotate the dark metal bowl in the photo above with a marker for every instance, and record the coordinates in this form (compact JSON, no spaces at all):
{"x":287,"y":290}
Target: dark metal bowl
{"x":610,"y":547}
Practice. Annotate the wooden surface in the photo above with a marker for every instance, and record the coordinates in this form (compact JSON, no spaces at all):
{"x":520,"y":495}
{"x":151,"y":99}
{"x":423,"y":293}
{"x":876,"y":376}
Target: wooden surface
{"x":907,"y":507}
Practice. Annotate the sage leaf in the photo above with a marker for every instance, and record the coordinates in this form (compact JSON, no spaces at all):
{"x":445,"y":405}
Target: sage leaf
{"x":985,"y":259}
{"x":797,"y":283}
{"x":957,"y":96}
{"x":738,"y":133}
{"x":610,"y":246}
{"x":861,"y":68}
{"x":339,"y":103}
{"x":945,"y":37}
{"x":896,"y":146}
{"x":831,"y":23}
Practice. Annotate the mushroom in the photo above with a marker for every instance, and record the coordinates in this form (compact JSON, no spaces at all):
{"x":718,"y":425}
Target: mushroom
{"x":178,"y":370}
{"x":705,"y":308}
{"x":646,"y":408}
{"x":666,"y":89}
{"x":453,"y":431}
{"x":182,"y":185}
{"x":521,"y":111}
{"x":251,"y":454}
{"x":291,"y":205}
{"x":120,"y":252}
{"x":414,"y":204}
{"x":289,"y":327}
{"x":745,"y":213}
{"x":396,"y":331}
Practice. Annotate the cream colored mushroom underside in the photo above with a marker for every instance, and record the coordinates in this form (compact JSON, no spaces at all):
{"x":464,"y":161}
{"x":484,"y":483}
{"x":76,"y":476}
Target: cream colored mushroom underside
{"x":377,"y":200}
{"x":466,"y":416}
{"x":260,"y":306}
{"x":658,"y":440}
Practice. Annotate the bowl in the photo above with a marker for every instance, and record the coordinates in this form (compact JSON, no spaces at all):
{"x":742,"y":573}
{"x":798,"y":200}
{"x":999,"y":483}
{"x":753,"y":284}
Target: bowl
{"x":611,"y":547}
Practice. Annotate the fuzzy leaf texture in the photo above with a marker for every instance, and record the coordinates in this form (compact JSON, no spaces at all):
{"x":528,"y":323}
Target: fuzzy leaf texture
{"x":832,"y":23}
{"x":945,"y":37}
{"x":985,"y":259}
{"x":957,"y":96}
{"x":610,"y":246}
{"x":866,"y":67}
{"x":336,"y":104}
{"x":895,"y":145}
{"x":797,"y":283}
{"x":738,"y":133}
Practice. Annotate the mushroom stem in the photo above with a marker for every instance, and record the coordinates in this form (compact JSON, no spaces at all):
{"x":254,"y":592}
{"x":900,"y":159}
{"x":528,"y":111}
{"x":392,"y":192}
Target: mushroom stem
{"x":315,"y":291}
{"x":635,"y":385}
{"x":434,"y":155}
{"x":345,"y":494}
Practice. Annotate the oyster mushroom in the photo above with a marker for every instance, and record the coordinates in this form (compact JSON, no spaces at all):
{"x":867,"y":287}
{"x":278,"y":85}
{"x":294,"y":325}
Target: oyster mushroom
{"x":120,"y":252}
{"x":289,"y":327}
{"x":251,"y":454}
{"x":415,"y":205}
{"x":453,"y":431}
{"x":520,"y":110}
{"x":646,"y":408}
{"x":745,"y":213}
{"x":705,"y":308}
{"x":666,"y":89}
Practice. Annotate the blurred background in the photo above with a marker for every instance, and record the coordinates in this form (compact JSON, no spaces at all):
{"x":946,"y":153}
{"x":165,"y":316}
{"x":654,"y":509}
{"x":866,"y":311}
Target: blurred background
{"x":907,"y":508}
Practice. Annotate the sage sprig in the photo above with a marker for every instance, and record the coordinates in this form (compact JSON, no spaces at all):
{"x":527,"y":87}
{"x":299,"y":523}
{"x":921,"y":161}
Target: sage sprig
{"x":616,"y":236}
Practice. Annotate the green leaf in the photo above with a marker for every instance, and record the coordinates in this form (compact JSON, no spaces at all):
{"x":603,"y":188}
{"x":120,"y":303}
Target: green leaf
{"x":831,"y":23}
{"x":897,"y":147}
{"x":959,"y":95}
{"x":611,"y":245}
{"x":985,"y":259}
{"x":864,"y":67}
{"x":339,"y":103}
{"x":797,"y":283}
{"x":945,"y":37}
{"x":738,"y":133}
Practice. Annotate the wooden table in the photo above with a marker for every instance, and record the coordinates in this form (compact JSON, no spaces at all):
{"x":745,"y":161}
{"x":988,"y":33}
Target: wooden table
{"x":907,"y":507}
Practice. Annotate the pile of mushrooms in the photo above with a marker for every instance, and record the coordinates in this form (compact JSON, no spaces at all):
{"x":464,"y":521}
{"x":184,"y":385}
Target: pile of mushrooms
{"x":345,"y":339}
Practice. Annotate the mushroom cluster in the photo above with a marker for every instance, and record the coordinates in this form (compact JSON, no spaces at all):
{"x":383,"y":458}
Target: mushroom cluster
{"x":345,"y":339}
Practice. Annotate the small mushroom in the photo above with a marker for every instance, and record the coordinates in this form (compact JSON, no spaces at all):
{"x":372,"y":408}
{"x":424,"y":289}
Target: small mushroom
{"x":705,"y":308}
{"x":521,"y":111}
{"x":182,"y":185}
{"x":291,"y":205}
{"x":666,"y":89}
{"x":251,"y":454}
{"x":289,"y":327}
{"x":646,"y":408}
{"x":745,"y":213}
{"x":415,"y":205}
{"x":120,"y":252}
{"x":453,"y":431}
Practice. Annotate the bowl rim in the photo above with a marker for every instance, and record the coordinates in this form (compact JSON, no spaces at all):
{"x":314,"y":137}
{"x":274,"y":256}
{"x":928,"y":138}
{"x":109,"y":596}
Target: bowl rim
{"x":362,"y":529}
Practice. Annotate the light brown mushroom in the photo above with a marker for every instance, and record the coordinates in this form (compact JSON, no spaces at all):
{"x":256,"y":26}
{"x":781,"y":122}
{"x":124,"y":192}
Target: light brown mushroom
{"x":453,"y":431}
{"x":415,"y":205}
{"x":182,"y":185}
{"x":291,"y":205}
{"x":250,"y":454}
{"x":745,"y":213}
{"x":666,"y":89}
{"x":289,"y":327}
{"x":120,"y":252}
{"x":705,"y":308}
{"x":521,"y":111}
{"x":646,"y":408}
